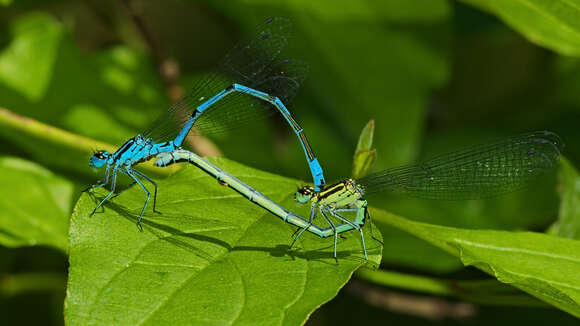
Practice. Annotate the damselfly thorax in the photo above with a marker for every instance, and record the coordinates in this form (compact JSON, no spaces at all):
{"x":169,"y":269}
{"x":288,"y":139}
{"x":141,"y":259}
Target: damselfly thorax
{"x":345,"y":193}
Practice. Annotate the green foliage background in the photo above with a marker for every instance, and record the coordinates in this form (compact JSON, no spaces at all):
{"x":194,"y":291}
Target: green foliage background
{"x":434,"y":75}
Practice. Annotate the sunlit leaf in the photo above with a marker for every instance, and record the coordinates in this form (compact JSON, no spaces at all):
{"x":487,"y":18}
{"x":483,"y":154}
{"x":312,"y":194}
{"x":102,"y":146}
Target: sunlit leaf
{"x":210,"y":258}
{"x":544,"y":266}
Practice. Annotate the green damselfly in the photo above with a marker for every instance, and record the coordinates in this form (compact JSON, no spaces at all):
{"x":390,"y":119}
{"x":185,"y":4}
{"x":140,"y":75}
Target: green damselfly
{"x":478,"y":172}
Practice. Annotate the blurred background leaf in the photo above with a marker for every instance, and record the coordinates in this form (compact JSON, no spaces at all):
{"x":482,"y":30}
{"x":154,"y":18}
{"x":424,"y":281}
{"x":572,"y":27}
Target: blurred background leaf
{"x":568,"y":223}
{"x":553,"y":24}
{"x":35,"y":205}
{"x":21,"y":68}
{"x":107,"y":95}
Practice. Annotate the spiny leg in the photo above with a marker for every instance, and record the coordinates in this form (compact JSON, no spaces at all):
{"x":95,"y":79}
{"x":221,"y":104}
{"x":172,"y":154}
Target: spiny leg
{"x":113,"y":184}
{"x":368,"y":215}
{"x":154,"y":185}
{"x":130,"y":173}
{"x":101,"y":183}
{"x":345,"y":210}
{"x":313,"y":214}
{"x":297,"y":229}
{"x":356,"y":227}
{"x":125,"y":188}
{"x":334,"y":230}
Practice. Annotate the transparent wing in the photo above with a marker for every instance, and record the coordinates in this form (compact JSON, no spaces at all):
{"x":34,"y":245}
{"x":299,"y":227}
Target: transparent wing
{"x":239,"y":109}
{"x":478,"y":172}
{"x":254,"y":63}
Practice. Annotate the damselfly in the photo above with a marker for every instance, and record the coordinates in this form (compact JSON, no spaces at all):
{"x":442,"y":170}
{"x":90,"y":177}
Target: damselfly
{"x":250,"y":75}
{"x":478,"y":172}
{"x":482,"y":171}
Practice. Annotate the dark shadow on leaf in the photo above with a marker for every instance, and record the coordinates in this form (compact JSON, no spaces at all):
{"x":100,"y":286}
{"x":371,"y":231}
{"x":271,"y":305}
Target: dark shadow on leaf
{"x":161,"y":231}
{"x":10,"y":235}
{"x":310,"y":255}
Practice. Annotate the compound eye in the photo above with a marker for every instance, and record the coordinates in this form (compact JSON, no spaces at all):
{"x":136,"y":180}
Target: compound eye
{"x":304,"y":191}
{"x":101,"y":155}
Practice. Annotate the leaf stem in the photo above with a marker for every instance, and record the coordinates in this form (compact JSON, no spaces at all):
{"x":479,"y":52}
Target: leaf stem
{"x":486,"y":291}
{"x":45,"y":132}
{"x":52,"y":134}
{"x":13,"y":284}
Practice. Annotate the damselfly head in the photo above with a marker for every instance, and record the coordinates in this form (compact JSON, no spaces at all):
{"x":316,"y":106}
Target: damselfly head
{"x":304,"y":194}
{"x":99,"y":159}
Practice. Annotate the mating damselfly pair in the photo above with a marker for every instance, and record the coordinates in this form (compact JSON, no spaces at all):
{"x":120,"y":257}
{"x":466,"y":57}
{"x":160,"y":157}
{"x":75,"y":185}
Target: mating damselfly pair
{"x":249,"y":81}
{"x":252,"y":80}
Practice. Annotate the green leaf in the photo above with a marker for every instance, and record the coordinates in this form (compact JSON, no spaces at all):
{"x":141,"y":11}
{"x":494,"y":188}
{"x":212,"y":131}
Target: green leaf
{"x":211,"y":257}
{"x":568,"y":224}
{"x":5,"y":2}
{"x":34,"y":205}
{"x":364,"y":156}
{"x":552,"y":24}
{"x":365,"y":139}
{"x":362,"y":162}
{"x":544,"y":266}
{"x":26,"y":65}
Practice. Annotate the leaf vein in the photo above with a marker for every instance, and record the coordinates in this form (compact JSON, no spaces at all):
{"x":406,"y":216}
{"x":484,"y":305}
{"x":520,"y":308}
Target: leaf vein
{"x":550,"y":17}
{"x":517,"y":250}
